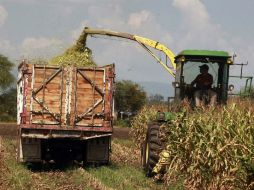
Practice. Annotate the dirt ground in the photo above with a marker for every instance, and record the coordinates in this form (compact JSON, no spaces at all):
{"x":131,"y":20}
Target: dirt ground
{"x":10,"y":129}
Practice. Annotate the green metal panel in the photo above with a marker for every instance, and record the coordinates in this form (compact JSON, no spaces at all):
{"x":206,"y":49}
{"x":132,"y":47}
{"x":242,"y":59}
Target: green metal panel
{"x":212,"y":53}
{"x":169,"y":116}
{"x":165,"y":116}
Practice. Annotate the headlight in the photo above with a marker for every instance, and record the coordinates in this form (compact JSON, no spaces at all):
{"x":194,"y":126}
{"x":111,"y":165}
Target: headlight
{"x":231,"y":87}
{"x":229,"y":61}
{"x":176,"y":84}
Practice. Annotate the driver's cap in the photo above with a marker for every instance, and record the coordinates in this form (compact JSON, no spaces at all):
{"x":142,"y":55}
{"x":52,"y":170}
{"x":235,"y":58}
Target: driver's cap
{"x":205,"y":66}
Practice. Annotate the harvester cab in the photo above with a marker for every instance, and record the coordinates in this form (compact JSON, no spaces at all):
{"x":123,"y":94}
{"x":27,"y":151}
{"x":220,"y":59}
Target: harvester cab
{"x":189,"y":64}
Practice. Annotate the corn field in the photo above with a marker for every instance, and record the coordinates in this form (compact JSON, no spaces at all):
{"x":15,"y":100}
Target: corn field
{"x":207,"y":148}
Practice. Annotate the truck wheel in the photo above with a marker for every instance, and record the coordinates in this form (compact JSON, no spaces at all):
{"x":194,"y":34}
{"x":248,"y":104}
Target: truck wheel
{"x":151,"y":149}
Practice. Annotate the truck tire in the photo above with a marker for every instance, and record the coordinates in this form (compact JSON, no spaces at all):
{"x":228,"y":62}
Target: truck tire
{"x":151,"y":149}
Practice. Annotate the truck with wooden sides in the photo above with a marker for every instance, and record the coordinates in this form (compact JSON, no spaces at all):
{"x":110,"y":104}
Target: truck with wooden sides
{"x":64,"y":113}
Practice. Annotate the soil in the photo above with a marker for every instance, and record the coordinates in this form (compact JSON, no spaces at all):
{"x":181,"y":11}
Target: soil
{"x":8,"y":129}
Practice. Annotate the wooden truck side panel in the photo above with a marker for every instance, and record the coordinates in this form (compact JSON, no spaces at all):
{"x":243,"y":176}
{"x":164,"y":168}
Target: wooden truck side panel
{"x":63,"y":109}
{"x":65,"y":98}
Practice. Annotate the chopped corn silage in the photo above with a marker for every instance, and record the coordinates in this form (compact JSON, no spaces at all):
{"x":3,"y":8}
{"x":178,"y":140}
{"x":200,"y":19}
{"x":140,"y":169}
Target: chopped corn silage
{"x":77,"y":55}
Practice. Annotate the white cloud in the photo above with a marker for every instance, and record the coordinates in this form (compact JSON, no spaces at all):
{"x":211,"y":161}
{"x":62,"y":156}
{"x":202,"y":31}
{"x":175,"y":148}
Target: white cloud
{"x":76,"y":1}
{"x":198,"y":30}
{"x":6,"y":47}
{"x":138,"y":19}
{"x":39,"y":43}
{"x":43,"y":47}
{"x":23,"y":1}
{"x":144,"y":23}
{"x":5,"y":44}
{"x":194,"y":10}
{"x":64,"y":11}
{"x":109,"y":15}
{"x":3,"y":15}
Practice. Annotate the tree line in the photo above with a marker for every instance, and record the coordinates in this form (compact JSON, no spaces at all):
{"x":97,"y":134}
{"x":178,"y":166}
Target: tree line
{"x":8,"y":94}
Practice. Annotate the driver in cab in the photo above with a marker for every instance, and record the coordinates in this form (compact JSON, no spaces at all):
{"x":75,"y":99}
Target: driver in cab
{"x":203,"y":84}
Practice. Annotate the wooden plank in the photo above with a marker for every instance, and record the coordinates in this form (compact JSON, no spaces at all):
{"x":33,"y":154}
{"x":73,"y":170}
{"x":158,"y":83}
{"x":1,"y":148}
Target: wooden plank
{"x":88,"y":99}
{"x":41,"y":81}
{"x":41,"y":77}
{"x":88,"y":96}
{"x":96,"y":80}
{"x":88,"y":85}
{"x":89,"y":89}
{"x":48,"y":96}
{"x":49,"y":86}
{"x":82,"y":106}
{"x":49,"y":92}
{"x":97,"y":77}
{"x":49,"y":103}
{"x":92,"y":73}
{"x":89,"y":122}
{"x":51,"y":109}
{"x":80,"y":79}
{"x":48,"y":71}
{"x":81,"y":111}
{"x":43,"y":120}
{"x":88,"y":105}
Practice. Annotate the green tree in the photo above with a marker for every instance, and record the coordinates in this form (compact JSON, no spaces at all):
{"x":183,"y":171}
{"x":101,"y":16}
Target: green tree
{"x":129,"y":96}
{"x":8,"y":105}
{"x":6,"y":77}
{"x":8,"y":93}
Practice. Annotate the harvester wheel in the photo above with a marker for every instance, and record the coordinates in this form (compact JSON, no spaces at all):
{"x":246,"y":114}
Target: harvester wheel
{"x":151,"y":149}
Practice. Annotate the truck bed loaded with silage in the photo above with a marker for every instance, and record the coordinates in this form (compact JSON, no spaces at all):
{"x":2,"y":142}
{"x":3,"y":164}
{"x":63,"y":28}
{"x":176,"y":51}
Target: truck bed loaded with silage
{"x":65,"y":108}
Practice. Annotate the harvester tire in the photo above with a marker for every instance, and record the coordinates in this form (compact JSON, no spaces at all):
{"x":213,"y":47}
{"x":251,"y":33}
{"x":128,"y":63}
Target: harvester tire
{"x":151,"y":149}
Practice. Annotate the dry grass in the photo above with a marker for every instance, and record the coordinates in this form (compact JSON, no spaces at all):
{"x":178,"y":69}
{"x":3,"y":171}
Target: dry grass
{"x":123,"y":172}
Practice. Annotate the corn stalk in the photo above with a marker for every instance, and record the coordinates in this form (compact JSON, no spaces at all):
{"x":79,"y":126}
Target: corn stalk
{"x":210,"y":148}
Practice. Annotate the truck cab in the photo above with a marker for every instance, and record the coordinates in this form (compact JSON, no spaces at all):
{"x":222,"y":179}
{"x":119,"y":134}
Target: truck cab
{"x":187,"y":68}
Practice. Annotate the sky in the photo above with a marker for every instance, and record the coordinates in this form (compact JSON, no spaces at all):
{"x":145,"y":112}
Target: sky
{"x":41,"y":29}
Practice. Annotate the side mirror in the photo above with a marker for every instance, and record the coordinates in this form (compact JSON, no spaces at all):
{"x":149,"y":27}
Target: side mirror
{"x":231,"y":87}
